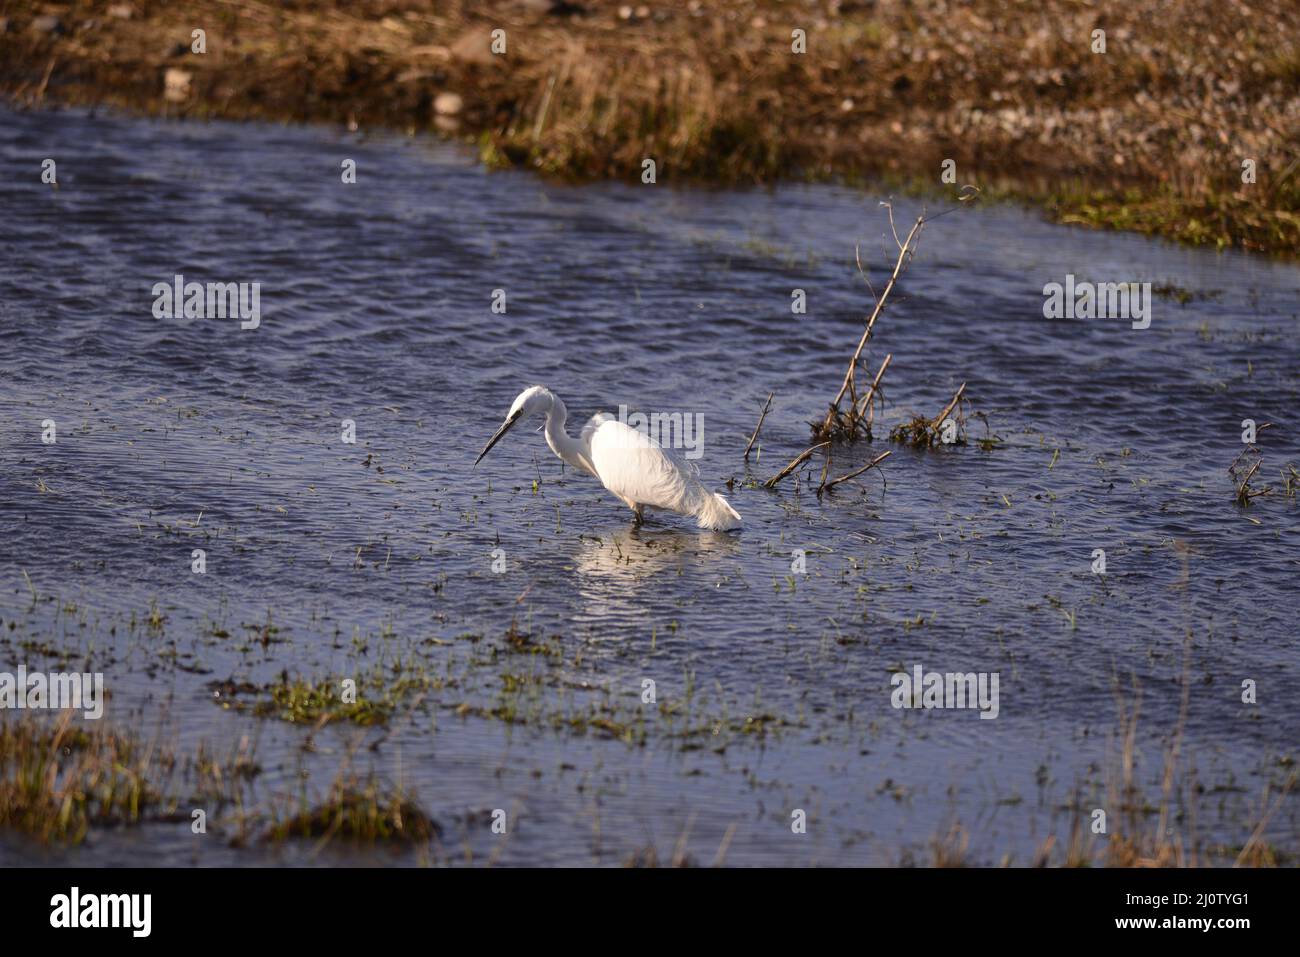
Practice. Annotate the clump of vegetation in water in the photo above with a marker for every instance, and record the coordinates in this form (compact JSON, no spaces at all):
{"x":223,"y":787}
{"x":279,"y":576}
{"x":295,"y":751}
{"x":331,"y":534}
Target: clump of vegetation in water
{"x":57,"y":780}
{"x":361,"y":810}
{"x":940,"y":430}
{"x":1243,"y":469}
{"x":1144,"y":830}
{"x":60,"y":780}
{"x":370,"y":697}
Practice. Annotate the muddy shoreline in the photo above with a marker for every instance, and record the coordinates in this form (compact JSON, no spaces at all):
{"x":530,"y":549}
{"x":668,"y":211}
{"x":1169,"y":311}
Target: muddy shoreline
{"x":1150,"y":135}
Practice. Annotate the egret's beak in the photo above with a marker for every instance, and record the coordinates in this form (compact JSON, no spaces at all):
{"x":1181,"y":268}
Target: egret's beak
{"x":505,"y":427}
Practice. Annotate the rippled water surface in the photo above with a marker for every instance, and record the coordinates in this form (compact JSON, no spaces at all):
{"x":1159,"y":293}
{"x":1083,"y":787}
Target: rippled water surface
{"x":773,"y":688}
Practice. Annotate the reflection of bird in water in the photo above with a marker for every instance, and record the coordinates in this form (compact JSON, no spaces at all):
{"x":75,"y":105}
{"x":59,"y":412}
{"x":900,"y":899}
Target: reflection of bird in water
{"x":628,"y":462}
{"x":634,"y":553}
{"x":1184,"y":550}
{"x":625,"y":578}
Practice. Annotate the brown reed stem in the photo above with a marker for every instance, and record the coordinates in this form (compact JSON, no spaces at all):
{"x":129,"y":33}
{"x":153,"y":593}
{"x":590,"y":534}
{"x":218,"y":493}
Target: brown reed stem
{"x":905,"y":251}
{"x":844,"y":478}
{"x":759,"y":427}
{"x":867,"y":406}
{"x":938,"y":419}
{"x":794,"y":464}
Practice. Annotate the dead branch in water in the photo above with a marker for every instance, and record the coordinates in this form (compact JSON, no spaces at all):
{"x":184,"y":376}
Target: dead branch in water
{"x":758,"y":428}
{"x":1232,"y":469}
{"x":844,"y":478}
{"x":847,"y":426}
{"x":1244,"y":492}
{"x":867,"y":405}
{"x":855,"y":421}
{"x":938,"y":419}
{"x":1242,"y":479}
{"x":798,"y":460}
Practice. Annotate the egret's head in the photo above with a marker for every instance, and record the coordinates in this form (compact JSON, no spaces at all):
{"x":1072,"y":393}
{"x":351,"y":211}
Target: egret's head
{"x":535,"y":400}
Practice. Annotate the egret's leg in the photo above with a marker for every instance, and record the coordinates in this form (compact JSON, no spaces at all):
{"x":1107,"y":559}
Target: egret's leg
{"x":638,"y":517}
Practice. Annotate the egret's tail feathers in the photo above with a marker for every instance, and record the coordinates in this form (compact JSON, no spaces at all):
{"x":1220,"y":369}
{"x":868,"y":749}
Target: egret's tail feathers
{"x":716,"y":513}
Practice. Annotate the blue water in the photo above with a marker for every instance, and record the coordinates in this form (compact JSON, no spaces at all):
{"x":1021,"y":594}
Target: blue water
{"x":183,"y":434}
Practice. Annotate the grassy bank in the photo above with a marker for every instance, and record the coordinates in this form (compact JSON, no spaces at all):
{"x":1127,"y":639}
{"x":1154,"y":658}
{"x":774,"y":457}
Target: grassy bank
{"x":1150,"y":135}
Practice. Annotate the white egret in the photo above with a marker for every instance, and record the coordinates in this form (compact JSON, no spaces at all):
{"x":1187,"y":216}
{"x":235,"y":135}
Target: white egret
{"x":628,"y":462}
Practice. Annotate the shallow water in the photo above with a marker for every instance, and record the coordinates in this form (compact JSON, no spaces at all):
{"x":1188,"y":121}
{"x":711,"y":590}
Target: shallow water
{"x":178,"y":434}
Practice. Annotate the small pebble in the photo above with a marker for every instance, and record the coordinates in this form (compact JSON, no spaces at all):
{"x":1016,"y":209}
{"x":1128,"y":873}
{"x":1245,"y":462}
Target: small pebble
{"x":176,"y":85}
{"x":448,"y":104}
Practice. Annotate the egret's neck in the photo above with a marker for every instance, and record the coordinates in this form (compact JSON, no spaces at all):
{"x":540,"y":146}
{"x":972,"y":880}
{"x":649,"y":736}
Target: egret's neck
{"x":569,"y":449}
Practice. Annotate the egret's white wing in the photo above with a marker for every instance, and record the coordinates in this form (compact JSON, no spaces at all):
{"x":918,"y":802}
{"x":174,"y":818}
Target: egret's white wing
{"x":635,"y":468}
{"x":637,"y":438}
{"x":590,"y":428}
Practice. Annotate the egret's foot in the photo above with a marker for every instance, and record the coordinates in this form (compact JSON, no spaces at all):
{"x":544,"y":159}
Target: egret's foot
{"x":638,"y":517}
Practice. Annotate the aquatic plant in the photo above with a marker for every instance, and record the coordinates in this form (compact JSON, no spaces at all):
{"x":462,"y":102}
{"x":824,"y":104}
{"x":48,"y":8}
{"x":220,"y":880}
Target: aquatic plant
{"x":1243,"y":469}
{"x":59,"y":779}
{"x":359,"y":809}
{"x":939,"y":430}
{"x":373,"y":696}
{"x":56,"y":780}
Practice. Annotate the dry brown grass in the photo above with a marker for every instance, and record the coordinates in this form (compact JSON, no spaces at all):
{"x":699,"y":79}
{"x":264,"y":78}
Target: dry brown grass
{"x":1149,"y":136}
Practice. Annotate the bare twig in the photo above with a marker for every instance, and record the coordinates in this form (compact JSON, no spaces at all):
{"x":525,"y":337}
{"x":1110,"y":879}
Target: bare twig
{"x":938,"y":419}
{"x":1255,"y":835}
{"x":45,"y":80}
{"x":866,"y":405}
{"x":857,"y":258}
{"x":1244,"y":492}
{"x":844,"y":478}
{"x":759,"y":427}
{"x":905,"y":251}
{"x":798,"y":460}
{"x":1248,"y":448}
{"x":892,"y":228}
{"x":1242,"y":481}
